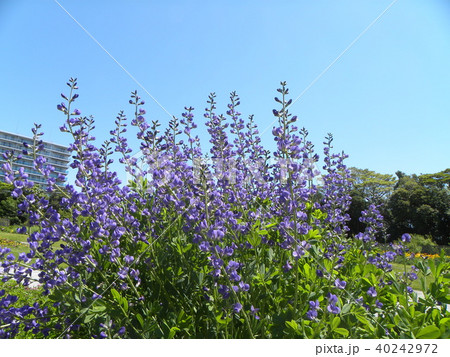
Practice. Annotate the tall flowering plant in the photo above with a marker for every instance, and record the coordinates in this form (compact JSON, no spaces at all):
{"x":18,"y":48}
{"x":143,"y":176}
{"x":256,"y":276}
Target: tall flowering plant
{"x":225,"y":244}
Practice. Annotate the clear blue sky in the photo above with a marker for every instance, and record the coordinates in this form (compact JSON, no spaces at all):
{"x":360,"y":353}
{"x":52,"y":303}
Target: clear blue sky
{"x":386,"y":100}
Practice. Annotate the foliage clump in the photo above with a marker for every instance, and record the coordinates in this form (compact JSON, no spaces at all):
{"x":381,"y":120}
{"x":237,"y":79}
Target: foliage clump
{"x":237,"y":246}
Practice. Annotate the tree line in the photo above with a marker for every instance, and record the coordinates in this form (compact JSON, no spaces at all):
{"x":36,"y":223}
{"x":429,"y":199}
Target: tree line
{"x":415,"y":204}
{"x":9,"y":206}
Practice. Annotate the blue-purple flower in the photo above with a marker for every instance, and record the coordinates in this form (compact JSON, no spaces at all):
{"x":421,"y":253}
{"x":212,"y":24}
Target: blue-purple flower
{"x":237,"y":307}
{"x":372,"y":292}
{"x":406,"y":238}
{"x":253,"y":312}
{"x":333,"y":299}
{"x":123,"y":273}
{"x":287,"y":266}
{"x":312,"y":312}
{"x":340,"y":284}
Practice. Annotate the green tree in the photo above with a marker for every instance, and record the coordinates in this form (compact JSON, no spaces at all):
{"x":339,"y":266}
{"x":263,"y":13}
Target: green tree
{"x":421,"y":205}
{"x":8,"y":204}
{"x":373,"y":186}
{"x":440,"y":180}
{"x":369,"y":187}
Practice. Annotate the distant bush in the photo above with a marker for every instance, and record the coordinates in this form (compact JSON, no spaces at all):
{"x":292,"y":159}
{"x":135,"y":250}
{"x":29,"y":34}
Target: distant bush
{"x":422,"y":244}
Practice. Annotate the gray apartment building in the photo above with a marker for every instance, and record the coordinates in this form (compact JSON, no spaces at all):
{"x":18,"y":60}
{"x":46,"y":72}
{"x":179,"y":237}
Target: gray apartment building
{"x":56,"y":155}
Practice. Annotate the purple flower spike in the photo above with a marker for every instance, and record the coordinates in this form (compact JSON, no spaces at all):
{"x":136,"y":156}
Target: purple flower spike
{"x":340,"y":284}
{"x":22,"y":230}
{"x":311,"y":314}
{"x":314,"y":305}
{"x":298,"y":252}
{"x":372,"y":292}
{"x":287,"y":266}
{"x":406,"y":238}
{"x":237,"y":307}
{"x":332,"y":298}
{"x":123,"y":272}
{"x":129,"y":259}
{"x":215,"y":234}
{"x":333,"y":309}
{"x":253,"y":312}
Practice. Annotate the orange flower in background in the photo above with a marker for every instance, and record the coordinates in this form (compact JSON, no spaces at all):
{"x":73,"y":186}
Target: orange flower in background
{"x":424,"y":255}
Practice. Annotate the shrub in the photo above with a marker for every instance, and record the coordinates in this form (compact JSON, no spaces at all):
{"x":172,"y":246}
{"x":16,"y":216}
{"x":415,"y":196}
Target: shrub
{"x":422,"y":244}
{"x":234,"y":247}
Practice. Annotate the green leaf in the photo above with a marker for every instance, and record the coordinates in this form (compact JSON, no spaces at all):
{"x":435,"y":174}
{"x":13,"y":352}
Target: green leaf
{"x":180,"y":316}
{"x":346,"y":308}
{"x":270,"y":254}
{"x":256,"y":224}
{"x":366,"y":322}
{"x":313,"y":233}
{"x":254,"y":239}
{"x":432,"y":267}
{"x":125,"y":304}
{"x":318,"y":214}
{"x":374,"y":279}
{"x":140,"y":319}
{"x":222,"y":321}
{"x":173,"y":331}
{"x":270,"y":225}
{"x":309,"y":332}
{"x":412,"y":311}
{"x":200,"y":277}
{"x":435,"y":314}
{"x":335,"y":323}
{"x":116,"y":295}
{"x":430,"y":331}
{"x":292,"y":324}
{"x":98,"y":308}
{"x":88,"y":318}
{"x":187,"y":248}
{"x":307,"y":269}
{"x":366,"y":281}
{"x":342,"y":331}
{"x":262,"y":270}
{"x":402,"y":300}
{"x":363,"y":320}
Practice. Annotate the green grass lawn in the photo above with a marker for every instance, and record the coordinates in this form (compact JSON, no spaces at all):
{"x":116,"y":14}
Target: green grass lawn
{"x":16,"y":242}
{"x":415,"y":284}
